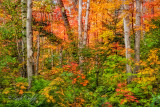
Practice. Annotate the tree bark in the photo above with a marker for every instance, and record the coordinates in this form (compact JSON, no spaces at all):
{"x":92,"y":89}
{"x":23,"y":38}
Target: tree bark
{"x":61,"y":56}
{"x":133,"y":17}
{"x":52,"y":63}
{"x":24,"y":17}
{"x":143,"y":19}
{"x":66,"y":24}
{"x":65,"y":19}
{"x":137,"y":35}
{"x":38,"y":54}
{"x":80,"y":43}
{"x":126,"y":22}
{"x":42,"y":52}
{"x":29,"y":43}
{"x":86,"y":24}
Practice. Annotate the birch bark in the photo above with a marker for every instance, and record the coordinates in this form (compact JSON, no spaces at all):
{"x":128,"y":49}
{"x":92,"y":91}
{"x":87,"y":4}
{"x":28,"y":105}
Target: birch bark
{"x":137,"y":35}
{"x":126,"y":22}
{"x":29,"y":42}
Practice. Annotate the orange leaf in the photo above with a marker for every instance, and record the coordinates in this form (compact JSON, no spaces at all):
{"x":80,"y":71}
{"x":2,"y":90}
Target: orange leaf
{"x":21,"y":92}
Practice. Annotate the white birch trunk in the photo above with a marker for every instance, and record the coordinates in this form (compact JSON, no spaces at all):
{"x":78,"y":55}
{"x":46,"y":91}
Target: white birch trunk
{"x":126,"y":21}
{"x":143,"y":13}
{"x":137,"y":35}
{"x":80,"y":39}
{"x":29,"y":42}
{"x":86,"y":24}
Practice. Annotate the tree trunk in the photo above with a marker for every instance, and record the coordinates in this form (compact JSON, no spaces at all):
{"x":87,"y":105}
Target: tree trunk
{"x":29,"y":43}
{"x":38,"y":54}
{"x":137,"y":35}
{"x":80,"y":39}
{"x":97,"y":71}
{"x":42,"y":53}
{"x":86,"y":24}
{"x":133,"y":17}
{"x":61,"y":56}
{"x":24,"y":16}
{"x":67,"y":25}
{"x":52,"y":63}
{"x":143,"y":19}
{"x":65,"y":19}
{"x":126,"y":21}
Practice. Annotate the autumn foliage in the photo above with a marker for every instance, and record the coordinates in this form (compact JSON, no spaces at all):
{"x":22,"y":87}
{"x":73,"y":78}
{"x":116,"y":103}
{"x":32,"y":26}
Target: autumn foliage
{"x":59,"y":79}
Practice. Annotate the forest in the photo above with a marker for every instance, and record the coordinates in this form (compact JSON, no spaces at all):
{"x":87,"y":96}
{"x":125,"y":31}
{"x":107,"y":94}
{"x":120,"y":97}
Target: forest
{"x":79,"y":53}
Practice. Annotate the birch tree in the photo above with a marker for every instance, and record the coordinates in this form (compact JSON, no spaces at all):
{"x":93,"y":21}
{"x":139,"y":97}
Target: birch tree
{"x":80,"y":38}
{"x":143,"y":10}
{"x":137,"y":35}
{"x":126,"y":22}
{"x":29,"y":42}
{"x":86,"y":24}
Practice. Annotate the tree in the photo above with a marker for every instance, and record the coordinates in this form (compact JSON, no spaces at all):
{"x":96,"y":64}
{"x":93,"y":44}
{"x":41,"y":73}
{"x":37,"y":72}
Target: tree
{"x":29,"y":42}
{"x":38,"y":53}
{"x":24,"y":15}
{"x":126,"y":22}
{"x":137,"y":35}
{"x":143,"y":19}
{"x":80,"y":38}
{"x":65,"y":19}
{"x":86,"y":24}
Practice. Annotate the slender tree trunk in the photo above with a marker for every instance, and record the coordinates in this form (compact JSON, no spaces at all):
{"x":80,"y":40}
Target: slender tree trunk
{"x":67,"y":26}
{"x":52,"y":63}
{"x":24,"y":17}
{"x":65,"y":19}
{"x":38,"y":54}
{"x":126,"y":21}
{"x":133,"y":17}
{"x":80,"y":38}
{"x":61,"y":56}
{"x":143,"y":19}
{"x":19,"y":42}
{"x":24,"y":52}
{"x":42,"y":53}
{"x":137,"y":35}
{"x":29,"y":43}
{"x":86,"y":24}
{"x":97,"y":71}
